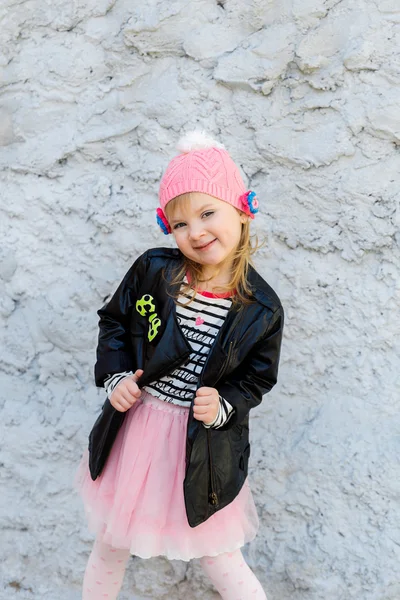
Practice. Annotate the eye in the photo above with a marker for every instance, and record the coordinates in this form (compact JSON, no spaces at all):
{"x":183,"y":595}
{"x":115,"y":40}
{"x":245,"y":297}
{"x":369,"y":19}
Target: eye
{"x":178,"y":225}
{"x":207,"y":213}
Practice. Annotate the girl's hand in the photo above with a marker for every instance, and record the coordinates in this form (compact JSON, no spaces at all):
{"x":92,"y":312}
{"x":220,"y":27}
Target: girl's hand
{"x":126,"y":392}
{"x":206,"y":405}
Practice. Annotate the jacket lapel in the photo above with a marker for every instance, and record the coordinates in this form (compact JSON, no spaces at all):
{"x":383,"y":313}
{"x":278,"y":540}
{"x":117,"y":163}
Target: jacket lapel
{"x":171,"y":348}
{"x":218,"y":353}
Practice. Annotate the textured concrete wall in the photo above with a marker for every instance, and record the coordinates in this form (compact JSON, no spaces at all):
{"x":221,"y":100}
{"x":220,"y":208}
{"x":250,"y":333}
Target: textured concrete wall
{"x":306,"y":96}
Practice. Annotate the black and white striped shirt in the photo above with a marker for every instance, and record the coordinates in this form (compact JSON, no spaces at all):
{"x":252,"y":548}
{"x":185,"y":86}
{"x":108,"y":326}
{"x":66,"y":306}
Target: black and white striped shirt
{"x":200,"y":323}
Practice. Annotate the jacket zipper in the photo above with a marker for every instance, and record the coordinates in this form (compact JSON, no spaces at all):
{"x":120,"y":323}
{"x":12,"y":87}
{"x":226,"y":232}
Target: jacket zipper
{"x":226,"y":363}
{"x":213,"y":495}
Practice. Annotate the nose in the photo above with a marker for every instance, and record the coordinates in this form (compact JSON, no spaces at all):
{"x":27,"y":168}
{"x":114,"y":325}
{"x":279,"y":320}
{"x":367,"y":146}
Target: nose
{"x":196,"y":232}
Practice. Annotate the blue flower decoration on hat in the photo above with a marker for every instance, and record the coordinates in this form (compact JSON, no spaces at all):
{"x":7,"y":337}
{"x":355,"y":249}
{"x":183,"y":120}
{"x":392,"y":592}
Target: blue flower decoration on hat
{"x":163,"y":222}
{"x":249,"y":203}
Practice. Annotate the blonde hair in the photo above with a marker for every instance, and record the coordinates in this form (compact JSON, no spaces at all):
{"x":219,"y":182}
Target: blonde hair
{"x":240,"y":265}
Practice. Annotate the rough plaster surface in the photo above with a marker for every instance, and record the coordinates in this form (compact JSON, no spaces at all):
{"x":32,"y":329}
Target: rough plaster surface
{"x":306,"y":96}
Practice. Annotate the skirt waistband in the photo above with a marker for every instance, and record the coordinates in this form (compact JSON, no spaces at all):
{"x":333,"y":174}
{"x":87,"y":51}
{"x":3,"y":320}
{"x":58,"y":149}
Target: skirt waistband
{"x":158,"y":404}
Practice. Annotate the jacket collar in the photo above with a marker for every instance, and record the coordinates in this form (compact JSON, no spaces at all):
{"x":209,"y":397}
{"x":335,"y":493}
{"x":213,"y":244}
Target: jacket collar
{"x":261,"y":290}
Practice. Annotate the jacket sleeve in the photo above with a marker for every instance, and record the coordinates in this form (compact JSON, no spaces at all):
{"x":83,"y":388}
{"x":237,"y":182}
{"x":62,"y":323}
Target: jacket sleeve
{"x":114,"y":350}
{"x":256,"y":375}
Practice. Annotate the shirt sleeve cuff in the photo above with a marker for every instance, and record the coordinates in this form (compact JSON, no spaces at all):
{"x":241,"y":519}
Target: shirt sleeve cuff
{"x":111,"y":381}
{"x":225,"y":411}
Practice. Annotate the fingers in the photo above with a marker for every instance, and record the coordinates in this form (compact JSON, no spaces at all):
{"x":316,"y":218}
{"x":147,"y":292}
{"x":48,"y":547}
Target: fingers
{"x":120,"y":401}
{"x":203,"y":401}
{"x":205,"y":412}
{"x":205,"y":391}
{"x":201,"y":410}
{"x":205,"y":396}
{"x":126,"y":396}
{"x":211,"y":398}
{"x":206,"y":404}
{"x":207,"y":417}
{"x":117,"y":405}
{"x":126,"y":393}
{"x":131,"y":386}
{"x":138,"y":373}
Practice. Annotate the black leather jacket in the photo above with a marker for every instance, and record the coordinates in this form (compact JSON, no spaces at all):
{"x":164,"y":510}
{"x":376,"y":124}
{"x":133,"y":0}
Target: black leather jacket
{"x":242,"y":365}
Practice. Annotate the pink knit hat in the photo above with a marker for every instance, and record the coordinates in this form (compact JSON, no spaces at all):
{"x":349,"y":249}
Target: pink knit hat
{"x":204,"y":166}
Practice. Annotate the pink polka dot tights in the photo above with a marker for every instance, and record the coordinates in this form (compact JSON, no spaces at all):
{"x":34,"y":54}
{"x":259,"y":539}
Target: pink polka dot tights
{"x":232,"y":577}
{"x":229,"y":573}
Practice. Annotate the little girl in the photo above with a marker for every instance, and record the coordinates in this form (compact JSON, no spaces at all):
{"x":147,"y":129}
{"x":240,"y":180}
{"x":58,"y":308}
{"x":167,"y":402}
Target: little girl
{"x":188,"y":344}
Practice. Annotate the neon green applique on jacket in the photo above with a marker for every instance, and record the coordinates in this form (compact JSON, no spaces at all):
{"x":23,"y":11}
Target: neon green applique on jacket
{"x":145,"y":300}
{"x":154,"y":320}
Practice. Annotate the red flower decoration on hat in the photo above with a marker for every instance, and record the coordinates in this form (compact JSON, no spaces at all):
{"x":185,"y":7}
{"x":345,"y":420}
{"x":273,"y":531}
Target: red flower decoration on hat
{"x":249,"y":203}
{"x":163,"y":222}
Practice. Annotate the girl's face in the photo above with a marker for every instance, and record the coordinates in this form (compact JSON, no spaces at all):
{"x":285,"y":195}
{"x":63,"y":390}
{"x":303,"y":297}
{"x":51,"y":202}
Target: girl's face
{"x":206,"y":230}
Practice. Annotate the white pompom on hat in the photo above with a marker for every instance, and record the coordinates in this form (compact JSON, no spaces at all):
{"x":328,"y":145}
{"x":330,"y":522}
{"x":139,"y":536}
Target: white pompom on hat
{"x":197,"y":140}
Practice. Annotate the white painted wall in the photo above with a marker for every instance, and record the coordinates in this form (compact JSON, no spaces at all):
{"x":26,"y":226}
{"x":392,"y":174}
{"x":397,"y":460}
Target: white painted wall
{"x":305,"y":94}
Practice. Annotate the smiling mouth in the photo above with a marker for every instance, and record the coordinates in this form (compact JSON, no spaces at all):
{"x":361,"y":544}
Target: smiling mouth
{"x":205,"y":246}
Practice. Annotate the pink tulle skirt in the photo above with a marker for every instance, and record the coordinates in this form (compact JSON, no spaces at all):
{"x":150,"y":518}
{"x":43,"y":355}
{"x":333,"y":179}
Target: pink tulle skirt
{"x":137,"y":502}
